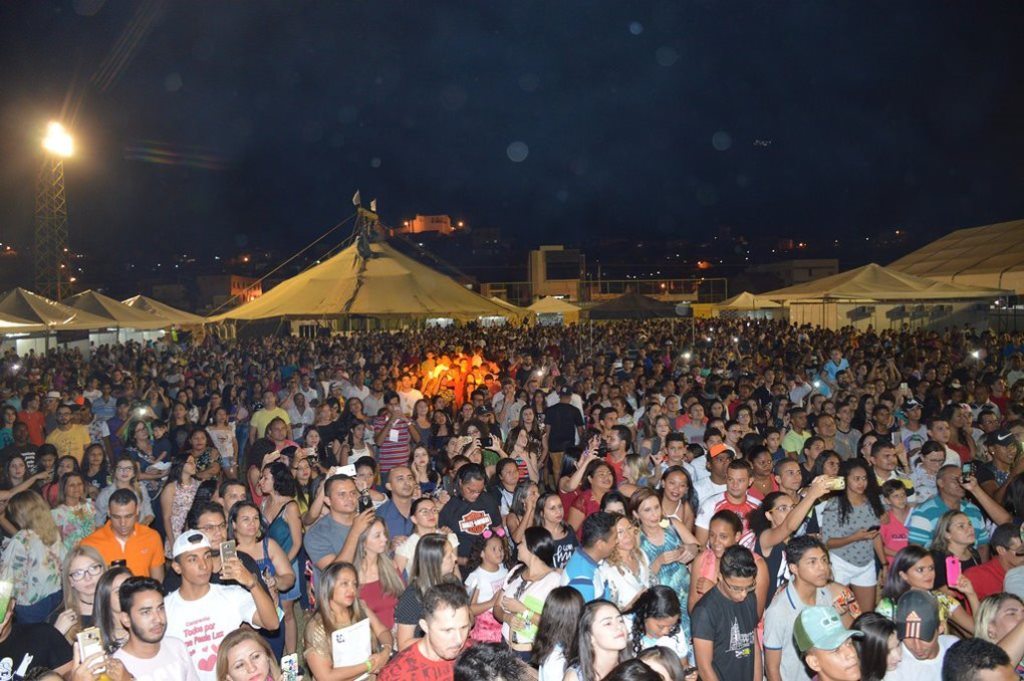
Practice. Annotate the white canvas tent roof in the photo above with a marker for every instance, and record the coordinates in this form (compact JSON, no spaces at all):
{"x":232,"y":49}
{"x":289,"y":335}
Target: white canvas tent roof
{"x":874,"y":283}
{"x":386,"y":284}
{"x":552,"y":305}
{"x":115,"y":312}
{"x":990,"y":256}
{"x":44,"y":314}
{"x":521,"y":311}
{"x":747,"y":301}
{"x":169,"y":315}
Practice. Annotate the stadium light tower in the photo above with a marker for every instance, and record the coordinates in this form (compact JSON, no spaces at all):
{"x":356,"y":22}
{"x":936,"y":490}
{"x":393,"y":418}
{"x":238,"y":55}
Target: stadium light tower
{"x":52,"y":264}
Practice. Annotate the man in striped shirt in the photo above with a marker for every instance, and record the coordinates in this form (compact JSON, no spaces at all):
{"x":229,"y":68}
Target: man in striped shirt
{"x":391,"y":433}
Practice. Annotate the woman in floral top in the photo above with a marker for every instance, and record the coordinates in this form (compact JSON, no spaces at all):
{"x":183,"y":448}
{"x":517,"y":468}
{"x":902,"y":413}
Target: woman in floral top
{"x":75,"y":514}
{"x":176,"y":499}
{"x":33,"y":557}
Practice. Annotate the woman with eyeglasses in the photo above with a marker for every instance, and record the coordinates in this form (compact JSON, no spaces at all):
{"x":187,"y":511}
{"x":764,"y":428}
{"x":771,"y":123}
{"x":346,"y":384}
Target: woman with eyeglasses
{"x":424,"y":515}
{"x":126,"y":476}
{"x":139,"y":446}
{"x":74,"y":515}
{"x":83,"y":567}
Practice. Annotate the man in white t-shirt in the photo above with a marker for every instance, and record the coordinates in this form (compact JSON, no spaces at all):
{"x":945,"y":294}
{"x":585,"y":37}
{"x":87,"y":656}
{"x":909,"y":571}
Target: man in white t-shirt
{"x":917,"y":626}
{"x":149,"y":655}
{"x":201,"y":614}
{"x":408,"y":394}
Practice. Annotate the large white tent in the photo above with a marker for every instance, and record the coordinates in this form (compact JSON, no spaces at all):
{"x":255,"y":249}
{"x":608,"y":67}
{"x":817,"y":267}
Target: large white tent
{"x":991,"y":256}
{"x":371,"y":280}
{"x":881,"y":297}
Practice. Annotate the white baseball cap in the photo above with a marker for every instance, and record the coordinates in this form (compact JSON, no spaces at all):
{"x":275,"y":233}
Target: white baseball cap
{"x":189,"y":540}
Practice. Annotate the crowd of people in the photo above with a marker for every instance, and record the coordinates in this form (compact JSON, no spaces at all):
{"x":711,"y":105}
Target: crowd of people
{"x":740,"y":499}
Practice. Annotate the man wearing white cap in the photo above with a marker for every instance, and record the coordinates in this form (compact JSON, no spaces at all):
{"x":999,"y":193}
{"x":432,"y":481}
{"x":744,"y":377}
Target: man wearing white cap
{"x":201,"y":614}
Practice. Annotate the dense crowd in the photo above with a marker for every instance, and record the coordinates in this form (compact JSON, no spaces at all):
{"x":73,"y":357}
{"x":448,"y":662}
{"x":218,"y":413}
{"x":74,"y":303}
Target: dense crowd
{"x":734,"y":500}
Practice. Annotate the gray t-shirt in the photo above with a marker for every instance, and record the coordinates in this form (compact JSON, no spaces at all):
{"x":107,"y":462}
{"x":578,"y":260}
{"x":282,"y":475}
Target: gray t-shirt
{"x":861,"y":517}
{"x":779,"y":620}
{"x":325,"y":538}
{"x":846,"y":443}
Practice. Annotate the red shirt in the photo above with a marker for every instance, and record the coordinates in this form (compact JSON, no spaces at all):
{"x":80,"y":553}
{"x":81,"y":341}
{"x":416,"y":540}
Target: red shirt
{"x":410,"y":665}
{"x":616,"y":467}
{"x":986,"y":578}
{"x":36,"y":422}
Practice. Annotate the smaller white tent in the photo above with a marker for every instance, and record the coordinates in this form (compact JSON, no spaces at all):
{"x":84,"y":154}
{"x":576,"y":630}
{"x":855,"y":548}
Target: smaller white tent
{"x":551,"y":310}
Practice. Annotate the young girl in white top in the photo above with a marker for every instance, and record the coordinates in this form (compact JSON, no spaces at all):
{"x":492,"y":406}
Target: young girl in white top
{"x":488,"y":572}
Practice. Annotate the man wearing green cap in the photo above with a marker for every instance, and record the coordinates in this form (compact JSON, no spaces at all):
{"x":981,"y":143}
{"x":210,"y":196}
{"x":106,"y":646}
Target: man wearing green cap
{"x":826,"y":645}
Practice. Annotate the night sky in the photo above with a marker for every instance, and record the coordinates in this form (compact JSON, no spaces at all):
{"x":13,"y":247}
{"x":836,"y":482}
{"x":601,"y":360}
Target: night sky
{"x":211,"y":126}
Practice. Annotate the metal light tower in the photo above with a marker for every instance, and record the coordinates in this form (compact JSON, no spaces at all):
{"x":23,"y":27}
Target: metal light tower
{"x":52,"y":264}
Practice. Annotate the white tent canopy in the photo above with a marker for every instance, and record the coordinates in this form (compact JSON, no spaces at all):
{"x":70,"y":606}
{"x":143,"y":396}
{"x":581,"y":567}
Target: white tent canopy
{"x":874,"y":283}
{"x":990,"y":256}
{"x":370,"y":280}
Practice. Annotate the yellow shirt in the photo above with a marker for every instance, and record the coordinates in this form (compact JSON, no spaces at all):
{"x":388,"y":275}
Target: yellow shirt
{"x":70,"y":442}
{"x":262,"y":418}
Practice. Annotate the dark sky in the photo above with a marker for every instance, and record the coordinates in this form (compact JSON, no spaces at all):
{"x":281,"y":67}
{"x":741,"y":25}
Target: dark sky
{"x":666,"y":117}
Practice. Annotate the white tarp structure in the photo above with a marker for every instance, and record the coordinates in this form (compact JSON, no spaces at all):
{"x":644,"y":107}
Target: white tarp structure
{"x":882,"y":297}
{"x":991,"y":256}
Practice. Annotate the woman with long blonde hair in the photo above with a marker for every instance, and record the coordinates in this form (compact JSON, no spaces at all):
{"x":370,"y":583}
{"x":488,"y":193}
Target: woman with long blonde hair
{"x":379,"y":582}
{"x":244,"y":655}
{"x":83,"y":567}
{"x":338,"y":606}
{"x":33,"y":557}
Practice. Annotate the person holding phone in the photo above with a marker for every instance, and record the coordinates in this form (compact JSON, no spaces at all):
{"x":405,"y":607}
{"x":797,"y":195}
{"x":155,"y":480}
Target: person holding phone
{"x":953,"y":549}
{"x":850,"y":524}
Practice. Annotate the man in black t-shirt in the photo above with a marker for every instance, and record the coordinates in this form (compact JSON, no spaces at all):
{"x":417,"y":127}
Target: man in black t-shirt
{"x":563,"y":424}
{"x":471,"y":511}
{"x":21,"y":445}
{"x":724,"y":622}
{"x":24,"y":646}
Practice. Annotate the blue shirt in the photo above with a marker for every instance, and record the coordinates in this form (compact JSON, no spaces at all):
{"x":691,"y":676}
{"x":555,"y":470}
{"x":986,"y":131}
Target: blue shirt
{"x":923,"y":519}
{"x":105,"y":409}
{"x":831,"y":368}
{"x":581,"y":574}
{"x":398,"y":525}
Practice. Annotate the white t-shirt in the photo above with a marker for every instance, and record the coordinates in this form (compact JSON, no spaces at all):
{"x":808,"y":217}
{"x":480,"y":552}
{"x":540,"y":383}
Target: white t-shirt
{"x":553,"y":666}
{"x":913,"y":669}
{"x":172,"y":663}
{"x":408,"y":400}
{"x":707,"y":488}
{"x":202,"y":624}
{"x":408,"y":548}
{"x":486,"y":583}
